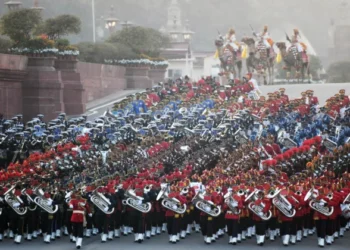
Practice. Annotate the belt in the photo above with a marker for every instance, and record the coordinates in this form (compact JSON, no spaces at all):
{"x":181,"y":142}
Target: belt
{"x":78,"y":212}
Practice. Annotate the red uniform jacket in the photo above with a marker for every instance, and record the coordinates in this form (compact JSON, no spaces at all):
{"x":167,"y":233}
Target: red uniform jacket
{"x":80,"y":208}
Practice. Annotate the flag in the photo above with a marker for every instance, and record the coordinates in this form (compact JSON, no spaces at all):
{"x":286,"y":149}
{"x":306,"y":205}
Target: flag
{"x":216,"y":56}
{"x":278,"y":57}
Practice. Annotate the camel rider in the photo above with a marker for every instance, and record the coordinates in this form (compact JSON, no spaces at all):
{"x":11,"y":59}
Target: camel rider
{"x":295,"y":41}
{"x":264,"y":37}
{"x":232,"y":41}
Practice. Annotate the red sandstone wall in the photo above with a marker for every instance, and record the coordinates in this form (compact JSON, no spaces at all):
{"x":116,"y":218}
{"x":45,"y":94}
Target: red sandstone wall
{"x":12,"y":71}
{"x":101,"y":80}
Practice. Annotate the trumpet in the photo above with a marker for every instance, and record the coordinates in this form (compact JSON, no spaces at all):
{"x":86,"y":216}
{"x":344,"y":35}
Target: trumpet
{"x":135,"y":201}
{"x":172,"y":204}
{"x":100,"y":201}
{"x":14,"y":201}
{"x":207,"y":207}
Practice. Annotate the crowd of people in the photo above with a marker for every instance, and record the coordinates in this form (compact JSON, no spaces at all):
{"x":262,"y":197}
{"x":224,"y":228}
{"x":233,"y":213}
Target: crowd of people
{"x":182,"y":157}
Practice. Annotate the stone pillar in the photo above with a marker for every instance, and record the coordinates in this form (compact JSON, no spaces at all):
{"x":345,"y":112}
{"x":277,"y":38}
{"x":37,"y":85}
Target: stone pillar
{"x":73,"y":90}
{"x":11,"y":92}
{"x":157,"y":75}
{"x":42,"y":89}
{"x":137,"y":78}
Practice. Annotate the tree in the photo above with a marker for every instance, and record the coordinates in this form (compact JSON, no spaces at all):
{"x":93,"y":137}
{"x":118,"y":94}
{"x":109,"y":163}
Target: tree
{"x":141,"y":40}
{"x":97,"y":53}
{"x":60,"y":26}
{"x":19,"y":25}
{"x":339,"y":72}
{"x":5,"y":44}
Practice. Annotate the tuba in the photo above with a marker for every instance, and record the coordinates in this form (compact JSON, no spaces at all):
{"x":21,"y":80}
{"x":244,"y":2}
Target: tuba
{"x":172,"y":204}
{"x":283,"y":205}
{"x":232,"y":203}
{"x":207,"y":207}
{"x":12,"y":200}
{"x":100,"y":201}
{"x":41,"y":201}
{"x":345,"y":207}
{"x":257,"y":209}
{"x":318,"y":205}
{"x":135,"y":201}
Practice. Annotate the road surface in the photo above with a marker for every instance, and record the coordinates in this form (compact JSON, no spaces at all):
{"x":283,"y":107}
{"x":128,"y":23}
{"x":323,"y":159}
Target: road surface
{"x":192,"y":242}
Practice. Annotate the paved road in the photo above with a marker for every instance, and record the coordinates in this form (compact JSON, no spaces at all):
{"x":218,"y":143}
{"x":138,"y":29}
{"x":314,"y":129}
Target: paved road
{"x":192,"y":242}
{"x":98,"y":107}
{"x":322,"y":91}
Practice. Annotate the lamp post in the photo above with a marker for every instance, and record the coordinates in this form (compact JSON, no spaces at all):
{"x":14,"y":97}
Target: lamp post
{"x":93,"y":21}
{"x":111,"y":22}
{"x":36,"y":6}
{"x":13,"y":5}
{"x":126,"y":24}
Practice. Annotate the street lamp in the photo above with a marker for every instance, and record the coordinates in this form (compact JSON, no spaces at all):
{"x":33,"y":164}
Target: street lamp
{"x":36,"y":6}
{"x":111,"y":22}
{"x":126,"y":24}
{"x":13,"y":5}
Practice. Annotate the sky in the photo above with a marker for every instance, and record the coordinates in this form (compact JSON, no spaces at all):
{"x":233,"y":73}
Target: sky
{"x":206,"y":17}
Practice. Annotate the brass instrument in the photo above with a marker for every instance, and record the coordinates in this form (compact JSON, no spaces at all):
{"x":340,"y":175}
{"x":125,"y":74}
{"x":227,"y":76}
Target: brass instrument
{"x":172,"y":204}
{"x":318,"y":205}
{"x":12,"y":200}
{"x":345,"y":207}
{"x":207,"y":207}
{"x":100,"y":201}
{"x":282,"y":204}
{"x":44,"y":203}
{"x":29,"y":198}
{"x":232,"y":203}
{"x":257,"y":209}
{"x":135,"y":201}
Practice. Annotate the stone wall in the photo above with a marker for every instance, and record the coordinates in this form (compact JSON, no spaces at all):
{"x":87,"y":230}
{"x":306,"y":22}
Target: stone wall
{"x":12,"y":72}
{"x":100,"y":80}
{"x":49,"y":85}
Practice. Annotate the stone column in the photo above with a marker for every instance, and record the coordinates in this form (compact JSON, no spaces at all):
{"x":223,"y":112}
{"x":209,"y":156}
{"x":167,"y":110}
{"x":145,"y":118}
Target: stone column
{"x":137,"y":77}
{"x":73,"y":90}
{"x":42,"y":89}
{"x":157,"y":75}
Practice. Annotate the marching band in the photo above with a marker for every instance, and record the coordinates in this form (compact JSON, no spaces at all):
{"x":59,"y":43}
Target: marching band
{"x":218,"y":162}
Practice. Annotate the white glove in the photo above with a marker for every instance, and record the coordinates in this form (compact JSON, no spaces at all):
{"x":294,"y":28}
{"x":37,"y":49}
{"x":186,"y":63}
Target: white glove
{"x":70,"y":206}
{"x":49,"y":202}
{"x":174,"y":207}
{"x":235,"y":204}
{"x":207,"y":208}
{"x":260,"y":213}
{"x":139,"y":202}
{"x":322,"y":203}
{"x":1,"y":199}
{"x":105,"y":209}
{"x":16,"y":204}
{"x":90,"y":214}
